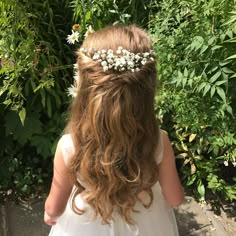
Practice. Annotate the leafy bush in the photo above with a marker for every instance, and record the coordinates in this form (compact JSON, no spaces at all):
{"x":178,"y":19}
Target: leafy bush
{"x":195,"y":43}
{"x":36,"y":67}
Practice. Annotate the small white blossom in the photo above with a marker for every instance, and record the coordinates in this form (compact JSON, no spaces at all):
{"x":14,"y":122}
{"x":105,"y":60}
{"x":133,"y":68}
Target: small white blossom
{"x":131,"y":64}
{"x":117,"y":63}
{"x":122,"y":61}
{"x":73,"y":37}
{"x":144,"y":61}
{"x":110,"y":51}
{"x":75,"y":66}
{"x":110,"y":61}
{"x":96,"y":56}
{"x":234,"y":163}
{"x":103,"y":56}
{"x":76,"y":76}
{"x":226,"y":163}
{"x":72,"y":91}
{"x":103,"y":63}
{"x":105,"y":68}
{"x":124,"y":51}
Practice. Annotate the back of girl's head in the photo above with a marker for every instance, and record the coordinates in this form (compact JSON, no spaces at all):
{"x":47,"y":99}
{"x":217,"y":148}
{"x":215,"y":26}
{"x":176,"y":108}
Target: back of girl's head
{"x":113,"y":124}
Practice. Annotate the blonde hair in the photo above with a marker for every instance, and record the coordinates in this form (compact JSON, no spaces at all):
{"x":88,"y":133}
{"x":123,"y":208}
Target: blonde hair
{"x":114,"y":128}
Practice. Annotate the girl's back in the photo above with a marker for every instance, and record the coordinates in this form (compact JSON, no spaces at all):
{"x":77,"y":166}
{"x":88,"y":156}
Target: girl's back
{"x":114,"y":172}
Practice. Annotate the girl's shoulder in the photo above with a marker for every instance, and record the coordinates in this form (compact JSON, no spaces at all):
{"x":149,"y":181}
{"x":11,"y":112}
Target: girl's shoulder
{"x":67,"y":147}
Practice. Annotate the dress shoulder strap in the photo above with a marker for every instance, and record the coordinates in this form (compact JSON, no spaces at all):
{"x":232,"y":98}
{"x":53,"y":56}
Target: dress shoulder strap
{"x":159,"y":148}
{"x":67,"y":147}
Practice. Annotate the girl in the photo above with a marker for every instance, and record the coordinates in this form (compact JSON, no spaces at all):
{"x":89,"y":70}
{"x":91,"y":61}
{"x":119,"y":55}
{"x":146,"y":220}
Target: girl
{"x":114,"y":169}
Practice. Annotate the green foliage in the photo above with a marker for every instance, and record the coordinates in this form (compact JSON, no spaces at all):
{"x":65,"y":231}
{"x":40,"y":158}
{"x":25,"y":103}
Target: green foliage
{"x":35,"y":70}
{"x":196,"y":46}
{"x":107,"y":12}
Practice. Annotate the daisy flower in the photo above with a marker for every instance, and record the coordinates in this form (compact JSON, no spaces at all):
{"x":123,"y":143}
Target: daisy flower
{"x":72,"y":91}
{"x":73,"y":37}
{"x":76,"y":76}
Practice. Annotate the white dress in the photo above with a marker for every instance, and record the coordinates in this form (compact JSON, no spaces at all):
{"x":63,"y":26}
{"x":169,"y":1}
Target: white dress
{"x":158,"y":220}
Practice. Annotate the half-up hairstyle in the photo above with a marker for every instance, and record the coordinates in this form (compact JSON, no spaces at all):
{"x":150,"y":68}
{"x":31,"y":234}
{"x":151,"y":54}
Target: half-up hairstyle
{"x":113,"y":127}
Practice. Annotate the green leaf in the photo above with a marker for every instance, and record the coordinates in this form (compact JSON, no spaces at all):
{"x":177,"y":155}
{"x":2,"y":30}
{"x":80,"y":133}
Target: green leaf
{"x":22,"y":115}
{"x":192,"y":137}
{"x":215,"y":77}
{"x":43,"y":97}
{"x":231,"y":57}
{"x":49,"y":106}
{"x":13,"y":125}
{"x":204,"y":48}
{"x":221,"y":93}
{"x":227,"y":70}
{"x":191,"y":180}
{"x":229,"y":109}
{"x":201,"y":189}
{"x":206,"y":89}
{"x":202,"y":85}
{"x":223,"y":63}
{"x":42,"y":144}
{"x":216,"y":47}
{"x":213,"y":89}
{"x":192,"y":74}
{"x":220,"y":82}
{"x":233,"y":76}
{"x":185,"y":72}
{"x":190,"y":83}
{"x":211,"y":40}
{"x":184,"y":81}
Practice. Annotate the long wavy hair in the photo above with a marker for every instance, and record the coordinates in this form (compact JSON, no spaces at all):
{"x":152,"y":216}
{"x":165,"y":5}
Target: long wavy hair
{"x":113,"y":127}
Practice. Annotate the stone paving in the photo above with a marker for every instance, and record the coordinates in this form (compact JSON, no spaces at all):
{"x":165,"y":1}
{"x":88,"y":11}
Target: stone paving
{"x":192,"y":219}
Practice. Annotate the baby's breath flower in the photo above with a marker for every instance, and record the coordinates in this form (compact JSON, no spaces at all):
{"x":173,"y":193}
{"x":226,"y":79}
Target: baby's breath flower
{"x":144,"y":61}
{"x":105,"y":68}
{"x":96,"y":56}
{"x":104,"y":63}
{"x":119,"y":60}
{"x":73,"y":37}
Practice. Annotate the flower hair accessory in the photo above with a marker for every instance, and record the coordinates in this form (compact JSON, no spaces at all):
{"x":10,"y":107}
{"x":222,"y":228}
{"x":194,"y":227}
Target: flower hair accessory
{"x":119,"y":60}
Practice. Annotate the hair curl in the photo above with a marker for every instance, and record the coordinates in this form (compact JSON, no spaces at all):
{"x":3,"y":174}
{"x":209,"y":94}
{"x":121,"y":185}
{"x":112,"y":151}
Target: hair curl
{"x":114,"y":128}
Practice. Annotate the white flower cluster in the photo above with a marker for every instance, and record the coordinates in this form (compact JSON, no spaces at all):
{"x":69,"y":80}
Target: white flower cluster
{"x":119,"y":60}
